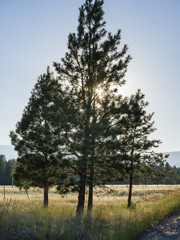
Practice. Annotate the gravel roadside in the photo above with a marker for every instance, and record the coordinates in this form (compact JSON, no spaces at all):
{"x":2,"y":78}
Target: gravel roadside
{"x":168,"y":229}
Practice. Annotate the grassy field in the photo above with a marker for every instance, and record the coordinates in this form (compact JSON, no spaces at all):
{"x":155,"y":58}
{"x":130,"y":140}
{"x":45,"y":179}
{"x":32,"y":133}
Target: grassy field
{"x":22,"y":215}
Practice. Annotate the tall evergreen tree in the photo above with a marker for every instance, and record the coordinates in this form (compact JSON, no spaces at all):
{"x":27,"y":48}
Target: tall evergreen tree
{"x":93,"y":62}
{"x":36,"y":140}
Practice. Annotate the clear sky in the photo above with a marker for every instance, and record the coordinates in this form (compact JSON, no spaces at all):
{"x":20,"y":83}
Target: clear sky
{"x":34,"y":34}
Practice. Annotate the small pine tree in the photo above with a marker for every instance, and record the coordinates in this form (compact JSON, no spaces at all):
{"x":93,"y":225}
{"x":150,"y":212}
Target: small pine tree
{"x":136,"y":149}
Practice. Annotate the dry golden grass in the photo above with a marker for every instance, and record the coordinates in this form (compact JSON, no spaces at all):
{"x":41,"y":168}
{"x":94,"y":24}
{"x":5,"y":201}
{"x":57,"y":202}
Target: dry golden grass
{"x":110,"y":218}
{"x":102,"y":195}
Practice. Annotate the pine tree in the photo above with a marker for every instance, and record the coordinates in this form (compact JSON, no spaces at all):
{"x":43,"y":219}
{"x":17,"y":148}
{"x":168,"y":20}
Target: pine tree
{"x":93,"y":62}
{"x":136,"y":149}
{"x":36,"y":140}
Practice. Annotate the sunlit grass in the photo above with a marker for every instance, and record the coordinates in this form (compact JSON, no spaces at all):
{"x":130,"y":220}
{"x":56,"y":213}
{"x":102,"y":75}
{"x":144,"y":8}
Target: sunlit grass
{"x":110,"y":218}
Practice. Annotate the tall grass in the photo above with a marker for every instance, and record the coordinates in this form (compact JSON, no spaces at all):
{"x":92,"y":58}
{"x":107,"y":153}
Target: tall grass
{"x":110,"y":218}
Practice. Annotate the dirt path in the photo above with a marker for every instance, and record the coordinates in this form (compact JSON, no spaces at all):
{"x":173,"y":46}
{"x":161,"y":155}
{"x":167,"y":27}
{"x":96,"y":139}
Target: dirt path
{"x":169,"y":229}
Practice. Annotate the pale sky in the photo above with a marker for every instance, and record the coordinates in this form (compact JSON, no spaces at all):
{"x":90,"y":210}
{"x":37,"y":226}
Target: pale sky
{"x":34,"y":34}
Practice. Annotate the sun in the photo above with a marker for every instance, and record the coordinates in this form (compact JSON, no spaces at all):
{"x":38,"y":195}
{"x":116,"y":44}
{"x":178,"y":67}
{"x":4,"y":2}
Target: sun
{"x":99,"y":92}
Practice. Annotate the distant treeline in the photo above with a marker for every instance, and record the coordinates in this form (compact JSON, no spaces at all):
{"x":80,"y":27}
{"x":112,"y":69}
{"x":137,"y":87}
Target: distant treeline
{"x":6,"y":168}
{"x":172,"y":174}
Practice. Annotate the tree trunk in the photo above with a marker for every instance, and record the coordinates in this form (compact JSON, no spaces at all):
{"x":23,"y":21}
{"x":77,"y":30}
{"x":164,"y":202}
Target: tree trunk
{"x":81,"y":196}
{"x":83,"y":172}
{"x":91,"y":177}
{"x":130,"y":190}
{"x":91,"y":184}
{"x":45,"y":197}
